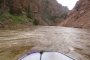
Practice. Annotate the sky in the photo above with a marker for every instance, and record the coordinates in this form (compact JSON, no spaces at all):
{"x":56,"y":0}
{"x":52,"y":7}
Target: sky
{"x":69,"y":3}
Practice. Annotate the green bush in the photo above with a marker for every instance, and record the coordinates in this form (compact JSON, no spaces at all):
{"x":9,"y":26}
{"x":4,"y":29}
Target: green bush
{"x":15,"y":19}
{"x":1,"y":1}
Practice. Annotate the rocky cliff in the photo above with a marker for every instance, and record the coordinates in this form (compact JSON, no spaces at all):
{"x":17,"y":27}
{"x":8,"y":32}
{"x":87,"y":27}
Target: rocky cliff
{"x":79,"y":17}
{"x":37,"y":12}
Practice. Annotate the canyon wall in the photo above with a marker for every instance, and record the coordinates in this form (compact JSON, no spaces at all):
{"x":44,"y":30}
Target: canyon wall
{"x":31,"y":12}
{"x":79,"y":17}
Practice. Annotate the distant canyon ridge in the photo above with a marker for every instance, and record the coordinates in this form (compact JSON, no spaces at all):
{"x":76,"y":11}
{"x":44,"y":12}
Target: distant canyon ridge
{"x":26,"y":13}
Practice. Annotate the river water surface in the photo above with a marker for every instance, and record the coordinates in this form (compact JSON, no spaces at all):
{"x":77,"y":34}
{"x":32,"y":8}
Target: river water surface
{"x":72,"y":42}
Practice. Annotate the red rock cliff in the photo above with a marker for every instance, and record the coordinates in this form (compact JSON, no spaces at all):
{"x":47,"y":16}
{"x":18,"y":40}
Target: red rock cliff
{"x":42,"y":12}
{"x":79,"y":17}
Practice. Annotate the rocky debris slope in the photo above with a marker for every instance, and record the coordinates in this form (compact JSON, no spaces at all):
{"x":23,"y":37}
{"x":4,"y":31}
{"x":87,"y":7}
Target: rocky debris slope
{"x":42,"y":12}
{"x":79,"y":17}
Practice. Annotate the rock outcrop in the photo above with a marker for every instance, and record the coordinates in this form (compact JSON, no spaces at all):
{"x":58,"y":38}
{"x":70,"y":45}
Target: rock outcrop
{"x":38,"y":12}
{"x":79,"y":17}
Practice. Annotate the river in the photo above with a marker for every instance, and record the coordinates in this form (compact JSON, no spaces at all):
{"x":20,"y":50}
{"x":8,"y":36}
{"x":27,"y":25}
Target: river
{"x":72,"y":42}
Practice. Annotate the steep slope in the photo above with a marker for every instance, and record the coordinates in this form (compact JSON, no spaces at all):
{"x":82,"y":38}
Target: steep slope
{"x":41,"y":12}
{"x":79,"y":17}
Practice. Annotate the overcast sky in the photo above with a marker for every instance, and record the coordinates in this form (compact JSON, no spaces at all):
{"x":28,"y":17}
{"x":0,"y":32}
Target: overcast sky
{"x":69,"y":3}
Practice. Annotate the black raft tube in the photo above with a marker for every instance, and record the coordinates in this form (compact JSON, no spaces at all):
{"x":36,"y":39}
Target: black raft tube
{"x":41,"y":55}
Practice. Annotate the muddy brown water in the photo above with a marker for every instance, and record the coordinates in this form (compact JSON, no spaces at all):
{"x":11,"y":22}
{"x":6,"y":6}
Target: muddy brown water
{"x":72,"y":42}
